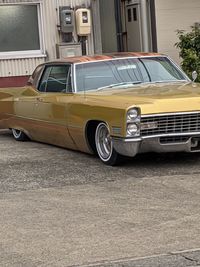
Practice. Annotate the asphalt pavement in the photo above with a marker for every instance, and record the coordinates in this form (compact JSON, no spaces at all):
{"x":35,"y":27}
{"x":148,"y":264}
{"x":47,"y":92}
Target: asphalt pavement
{"x":65,"y":208}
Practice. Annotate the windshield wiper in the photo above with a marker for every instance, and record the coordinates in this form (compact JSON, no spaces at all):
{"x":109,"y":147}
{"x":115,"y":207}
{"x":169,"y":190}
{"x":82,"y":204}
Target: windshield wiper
{"x":117,"y":84}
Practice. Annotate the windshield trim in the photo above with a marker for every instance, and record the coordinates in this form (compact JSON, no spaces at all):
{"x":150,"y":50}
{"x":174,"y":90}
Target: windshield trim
{"x":187,"y":79}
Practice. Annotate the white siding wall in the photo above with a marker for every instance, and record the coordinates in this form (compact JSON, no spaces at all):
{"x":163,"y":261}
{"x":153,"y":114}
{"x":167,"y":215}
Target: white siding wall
{"x":20,"y":67}
{"x":171,"y":16}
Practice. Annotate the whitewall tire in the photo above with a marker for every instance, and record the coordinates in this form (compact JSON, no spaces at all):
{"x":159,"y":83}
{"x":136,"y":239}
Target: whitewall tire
{"x":104,"y":145}
{"x":19,"y":135}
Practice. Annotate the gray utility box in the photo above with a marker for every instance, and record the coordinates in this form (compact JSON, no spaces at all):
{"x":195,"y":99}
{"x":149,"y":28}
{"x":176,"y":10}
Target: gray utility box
{"x":64,"y":50}
{"x":67,"y":22}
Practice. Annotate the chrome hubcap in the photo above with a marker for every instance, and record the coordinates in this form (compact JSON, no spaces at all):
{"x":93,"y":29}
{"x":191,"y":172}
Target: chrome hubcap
{"x":16,"y":133}
{"x":103,"y":142}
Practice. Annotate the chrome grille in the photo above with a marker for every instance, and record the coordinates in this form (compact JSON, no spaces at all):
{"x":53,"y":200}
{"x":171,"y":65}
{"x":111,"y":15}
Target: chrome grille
{"x":171,"y":124}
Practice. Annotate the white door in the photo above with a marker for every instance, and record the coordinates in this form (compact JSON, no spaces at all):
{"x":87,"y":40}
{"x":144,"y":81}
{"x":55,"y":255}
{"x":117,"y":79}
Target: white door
{"x":133,"y":26}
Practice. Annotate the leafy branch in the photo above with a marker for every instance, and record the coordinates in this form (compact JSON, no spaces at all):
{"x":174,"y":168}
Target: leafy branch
{"x":189,"y":45}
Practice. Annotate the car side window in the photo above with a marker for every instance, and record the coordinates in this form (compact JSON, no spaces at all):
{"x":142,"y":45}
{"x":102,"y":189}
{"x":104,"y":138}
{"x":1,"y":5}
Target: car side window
{"x":56,"y":79}
{"x":43,"y":82}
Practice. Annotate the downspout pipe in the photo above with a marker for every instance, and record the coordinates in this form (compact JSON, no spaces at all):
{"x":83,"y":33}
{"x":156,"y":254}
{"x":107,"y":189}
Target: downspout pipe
{"x":118,"y":20}
{"x":153,"y":26}
{"x":145,"y":28}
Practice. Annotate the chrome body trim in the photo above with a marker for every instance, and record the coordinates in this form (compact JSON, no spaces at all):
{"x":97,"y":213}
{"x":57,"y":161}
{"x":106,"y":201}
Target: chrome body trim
{"x":74,"y":78}
{"x":179,"y":68}
{"x":171,"y":134}
{"x":169,"y":113}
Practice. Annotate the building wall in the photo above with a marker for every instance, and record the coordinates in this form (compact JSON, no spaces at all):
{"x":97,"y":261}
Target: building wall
{"x":13,"y":67}
{"x":171,"y":16}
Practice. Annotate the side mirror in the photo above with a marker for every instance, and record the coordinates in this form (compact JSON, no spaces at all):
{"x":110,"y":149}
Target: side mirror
{"x":194,"y":76}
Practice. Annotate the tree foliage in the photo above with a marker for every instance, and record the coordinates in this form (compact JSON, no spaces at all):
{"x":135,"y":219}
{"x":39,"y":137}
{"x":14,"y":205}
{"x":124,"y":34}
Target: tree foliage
{"x":189,"y":45}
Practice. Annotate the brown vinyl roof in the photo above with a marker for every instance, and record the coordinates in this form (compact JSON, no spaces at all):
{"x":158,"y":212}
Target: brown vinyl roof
{"x":106,"y":56}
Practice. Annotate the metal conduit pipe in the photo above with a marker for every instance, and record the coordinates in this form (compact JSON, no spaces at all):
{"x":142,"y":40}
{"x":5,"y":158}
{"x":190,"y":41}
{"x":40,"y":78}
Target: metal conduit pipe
{"x":118,"y":20}
{"x":145,"y":33}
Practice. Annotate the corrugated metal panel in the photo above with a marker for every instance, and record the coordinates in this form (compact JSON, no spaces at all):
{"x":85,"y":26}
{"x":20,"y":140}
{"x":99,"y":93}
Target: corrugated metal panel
{"x":19,"y":67}
{"x":49,"y":12}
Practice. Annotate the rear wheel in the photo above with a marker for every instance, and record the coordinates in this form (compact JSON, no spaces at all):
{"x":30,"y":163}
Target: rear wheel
{"x":104,"y":146}
{"x":19,"y":135}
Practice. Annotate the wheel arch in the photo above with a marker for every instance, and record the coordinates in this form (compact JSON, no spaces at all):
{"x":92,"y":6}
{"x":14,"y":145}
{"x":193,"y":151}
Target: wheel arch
{"x":90,"y":130}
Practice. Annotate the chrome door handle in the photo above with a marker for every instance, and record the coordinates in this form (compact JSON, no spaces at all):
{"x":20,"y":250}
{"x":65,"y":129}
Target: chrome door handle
{"x":40,"y":99}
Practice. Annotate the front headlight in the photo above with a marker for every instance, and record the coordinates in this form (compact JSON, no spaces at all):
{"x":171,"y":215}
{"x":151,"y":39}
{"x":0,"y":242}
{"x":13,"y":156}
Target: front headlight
{"x":132,"y":115}
{"x":132,"y":129}
{"x":133,"y":122}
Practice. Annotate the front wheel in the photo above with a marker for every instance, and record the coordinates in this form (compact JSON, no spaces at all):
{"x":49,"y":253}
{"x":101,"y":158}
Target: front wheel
{"x":104,"y":146}
{"x":19,"y":135}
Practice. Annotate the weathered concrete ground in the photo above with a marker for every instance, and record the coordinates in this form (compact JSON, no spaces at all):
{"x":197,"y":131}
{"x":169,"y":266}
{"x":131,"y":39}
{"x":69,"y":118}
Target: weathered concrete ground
{"x":64,"y":208}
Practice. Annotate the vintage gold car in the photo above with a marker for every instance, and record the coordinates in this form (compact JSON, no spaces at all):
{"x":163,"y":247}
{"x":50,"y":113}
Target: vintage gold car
{"x":113,"y":105}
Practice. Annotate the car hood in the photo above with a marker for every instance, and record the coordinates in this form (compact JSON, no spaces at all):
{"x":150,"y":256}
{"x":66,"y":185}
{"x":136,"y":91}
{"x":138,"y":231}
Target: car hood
{"x":153,"y":98}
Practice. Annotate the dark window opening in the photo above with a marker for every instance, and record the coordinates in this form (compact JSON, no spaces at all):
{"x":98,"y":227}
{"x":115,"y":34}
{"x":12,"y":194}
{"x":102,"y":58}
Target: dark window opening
{"x":135,"y":14}
{"x":129,"y":15}
{"x":56,"y":79}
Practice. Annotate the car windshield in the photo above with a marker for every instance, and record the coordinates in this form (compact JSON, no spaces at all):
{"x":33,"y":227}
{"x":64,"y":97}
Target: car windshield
{"x":125,"y":72}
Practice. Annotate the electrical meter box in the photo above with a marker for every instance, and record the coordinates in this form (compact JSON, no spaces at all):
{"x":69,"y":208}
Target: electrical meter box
{"x":66,"y":20}
{"x":83,"y":21}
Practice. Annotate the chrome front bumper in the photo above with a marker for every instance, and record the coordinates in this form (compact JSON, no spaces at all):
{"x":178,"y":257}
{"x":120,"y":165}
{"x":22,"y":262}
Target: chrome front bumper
{"x":131,"y":147}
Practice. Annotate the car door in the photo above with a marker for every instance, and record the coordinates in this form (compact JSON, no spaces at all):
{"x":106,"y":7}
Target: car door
{"x":24,"y":103}
{"x":50,"y":106}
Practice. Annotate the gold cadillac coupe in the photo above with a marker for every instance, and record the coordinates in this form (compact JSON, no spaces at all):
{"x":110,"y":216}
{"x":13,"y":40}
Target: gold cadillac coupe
{"x":111,"y":105}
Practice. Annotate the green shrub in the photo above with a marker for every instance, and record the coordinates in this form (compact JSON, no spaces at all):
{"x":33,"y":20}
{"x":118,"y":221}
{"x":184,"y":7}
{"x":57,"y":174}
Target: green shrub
{"x":189,"y":45}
